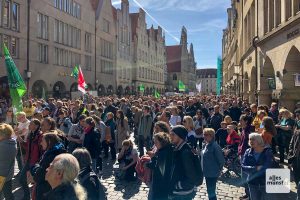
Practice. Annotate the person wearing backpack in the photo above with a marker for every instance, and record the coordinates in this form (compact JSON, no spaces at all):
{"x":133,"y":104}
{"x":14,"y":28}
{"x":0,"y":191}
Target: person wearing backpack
{"x":212,"y":162}
{"x":160,"y":166}
{"x":87,"y":177}
{"x":186,"y":172}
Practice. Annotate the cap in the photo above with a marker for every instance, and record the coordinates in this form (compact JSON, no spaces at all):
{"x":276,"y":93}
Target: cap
{"x":180,"y":131}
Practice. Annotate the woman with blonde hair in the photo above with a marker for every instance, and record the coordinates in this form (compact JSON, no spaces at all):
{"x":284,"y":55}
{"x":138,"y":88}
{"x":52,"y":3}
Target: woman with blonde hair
{"x":7,"y":159}
{"x":285,"y":131}
{"x":228,"y":119}
{"x":188,"y":123}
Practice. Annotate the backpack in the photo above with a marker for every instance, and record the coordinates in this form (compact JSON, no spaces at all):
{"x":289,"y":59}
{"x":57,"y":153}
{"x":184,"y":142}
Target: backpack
{"x":100,"y":188}
{"x":198,"y":168}
{"x":144,"y":174}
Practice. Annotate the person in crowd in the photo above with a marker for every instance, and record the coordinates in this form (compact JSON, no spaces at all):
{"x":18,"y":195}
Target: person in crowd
{"x":137,"y":115}
{"x":269,"y":130}
{"x":232,"y":140}
{"x":52,"y":146}
{"x":160,"y":166}
{"x":129,"y":156}
{"x":165,"y":116}
{"x":122,"y":129}
{"x":212,"y":162}
{"x":10,"y":117}
{"x":183,"y":173}
{"x":144,"y":131}
{"x":199,"y":124}
{"x":46,"y":112}
{"x":216,"y":118}
{"x":190,"y":110}
{"x":245,"y":122}
{"x":228,"y":119}
{"x":258,"y":120}
{"x":76,"y":134}
{"x":110,"y":108}
{"x":33,"y":154}
{"x":235,"y":112}
{"x":38,"y":116}
{"x":285,"y":131}
{"x":189,"y":125}
{"x":87,"y":177}
{"x":29,"y":109}
{"x":21,"y":131}
{"x":64,"y":122}
{"x":221,"y":135}
{"x":110,"y":137}
{"x":61,"y":175}
{"x":7,"y":159}
{"x":294,"y":149}
{"x":274,"y":112}
{"x":175,"y":118}
{"x":255,"y":161}
{"x":92,"y":141}
{"x":253,"y":108}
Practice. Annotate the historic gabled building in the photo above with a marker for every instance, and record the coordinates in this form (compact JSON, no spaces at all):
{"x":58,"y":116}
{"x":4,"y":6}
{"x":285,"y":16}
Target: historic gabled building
{"x":207,"y":79}
{"x":62,"y":34}
{"x":148,"y":55}
{"x":181,"y":64}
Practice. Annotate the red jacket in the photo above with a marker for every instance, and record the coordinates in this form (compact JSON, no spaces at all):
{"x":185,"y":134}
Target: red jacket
{"x":33,"y":148}
{"x":233,"y":138}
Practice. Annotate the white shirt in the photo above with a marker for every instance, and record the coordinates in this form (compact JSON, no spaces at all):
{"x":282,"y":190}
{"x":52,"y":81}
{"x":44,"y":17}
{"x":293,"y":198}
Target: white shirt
{"x":23,"y":128}
{"x":174,"y":120}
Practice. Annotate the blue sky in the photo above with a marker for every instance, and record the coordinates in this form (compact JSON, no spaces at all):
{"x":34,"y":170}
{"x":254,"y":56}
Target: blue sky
{"x":204,"y":20}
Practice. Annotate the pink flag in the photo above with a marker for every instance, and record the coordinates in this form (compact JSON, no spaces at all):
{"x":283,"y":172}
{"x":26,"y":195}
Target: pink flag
{"x":81,"y":82}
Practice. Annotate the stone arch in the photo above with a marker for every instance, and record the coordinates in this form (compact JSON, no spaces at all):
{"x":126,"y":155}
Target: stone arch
{"x":101,"y":90}
{"x":110,"y":90}
{"x":127,"y":90}
{"x":74,"y":87}
{"x":59,"y":90}
{"x":4,"y":88}
{"x":147,"y":91}
{"x":120,"y":90}
{"x":39,"y":89}
{"x":174,"y":77}
{"x":290,"y":93}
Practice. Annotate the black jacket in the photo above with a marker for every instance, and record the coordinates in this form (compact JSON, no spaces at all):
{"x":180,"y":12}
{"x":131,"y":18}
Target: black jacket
{"x":38,"y":171}
{"x":62,"y":192}
{"x":92,"y":143}
{"x":190,"y":111}
{"x":215,"y":121}
{"x":235,"y":113}
{"x":89,"y":180}
{"x":183,"y":173}
{"x":160,"y":166}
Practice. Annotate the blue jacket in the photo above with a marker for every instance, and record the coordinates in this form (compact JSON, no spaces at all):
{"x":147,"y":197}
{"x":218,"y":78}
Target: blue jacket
{"x":249,"y":164}
{"x":213,"y":160}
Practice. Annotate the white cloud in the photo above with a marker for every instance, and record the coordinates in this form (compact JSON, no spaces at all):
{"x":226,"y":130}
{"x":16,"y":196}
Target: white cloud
{"x":186,"y":5}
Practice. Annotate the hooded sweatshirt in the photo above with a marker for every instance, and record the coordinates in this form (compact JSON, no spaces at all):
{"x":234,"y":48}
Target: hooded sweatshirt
{"x":7,"y":159}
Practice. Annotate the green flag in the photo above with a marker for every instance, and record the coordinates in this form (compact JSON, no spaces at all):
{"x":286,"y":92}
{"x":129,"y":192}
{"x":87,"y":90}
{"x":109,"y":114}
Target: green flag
{"x":156,"y":94}
{"x":16,"y":84}
{"x":142,"y":88}
{"x":75,"y":72}
{"x":181,"y":86}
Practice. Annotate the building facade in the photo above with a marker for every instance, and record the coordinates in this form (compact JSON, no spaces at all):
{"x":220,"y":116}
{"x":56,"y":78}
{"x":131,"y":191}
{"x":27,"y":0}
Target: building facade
{"x":266,"y":58}
{"x":148,"y":55}
{"x":181,"y":65}
{"x":62,"y":34}
{"x":207,"y":81}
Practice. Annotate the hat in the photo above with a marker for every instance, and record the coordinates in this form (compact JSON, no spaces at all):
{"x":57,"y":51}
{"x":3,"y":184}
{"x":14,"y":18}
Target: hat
{"x":180,"y":131}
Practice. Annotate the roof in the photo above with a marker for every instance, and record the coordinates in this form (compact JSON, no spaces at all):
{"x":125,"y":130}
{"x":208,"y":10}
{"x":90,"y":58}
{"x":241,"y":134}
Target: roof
{"x":114,"y":12}
{"x":174,"y":58}
{"x":134,"y":23}
{"x":205,"y":72}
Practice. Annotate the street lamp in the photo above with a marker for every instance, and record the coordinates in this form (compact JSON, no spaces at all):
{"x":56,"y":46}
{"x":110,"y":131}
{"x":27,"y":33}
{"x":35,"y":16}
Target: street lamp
{"x":28,"y":76}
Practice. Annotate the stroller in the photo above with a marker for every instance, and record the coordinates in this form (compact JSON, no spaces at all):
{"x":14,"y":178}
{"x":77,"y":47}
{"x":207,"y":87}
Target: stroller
{"x":232,"y":162}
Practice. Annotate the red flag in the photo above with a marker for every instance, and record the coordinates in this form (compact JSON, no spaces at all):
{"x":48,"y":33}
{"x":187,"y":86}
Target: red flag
{"x":81,"y":82}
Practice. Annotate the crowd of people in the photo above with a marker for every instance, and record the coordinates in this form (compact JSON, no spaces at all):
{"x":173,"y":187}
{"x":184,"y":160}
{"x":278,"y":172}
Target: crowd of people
{"x":170,"y":143}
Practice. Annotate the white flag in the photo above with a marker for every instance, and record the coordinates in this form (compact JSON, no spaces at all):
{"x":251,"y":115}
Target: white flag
{"x":297,"y":80}
{"x":198,"y":86}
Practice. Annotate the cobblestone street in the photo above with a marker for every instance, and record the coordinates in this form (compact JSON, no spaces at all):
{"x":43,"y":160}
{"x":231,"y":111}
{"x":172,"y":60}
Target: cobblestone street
{"x":117,"y":189}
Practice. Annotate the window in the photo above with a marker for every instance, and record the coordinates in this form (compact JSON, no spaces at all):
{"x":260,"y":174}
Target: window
{"x":88,"y":63}
{"x":43,"y":53}
{"x":87,"y":42}
{"x":174,"y":77}
{"x":15,"y":17}
{"x":296,"y":6}
{"x":14,"y":47}
{"x":105,"y":25}
{"x":106,"y":67}
{"x":106,"y":49}
{"x":42,"y":21}
{"x":6,"y":14}
{"x":68,"y":6}
{"x":288,"y":9}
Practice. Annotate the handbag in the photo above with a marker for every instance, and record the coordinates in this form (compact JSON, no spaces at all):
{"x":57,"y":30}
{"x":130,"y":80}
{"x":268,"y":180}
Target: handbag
{"x":3,"y":178}
{"x":108,"y":137}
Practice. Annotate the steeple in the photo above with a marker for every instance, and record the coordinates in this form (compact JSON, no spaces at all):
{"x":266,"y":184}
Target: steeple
{"x":183,"y":39}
